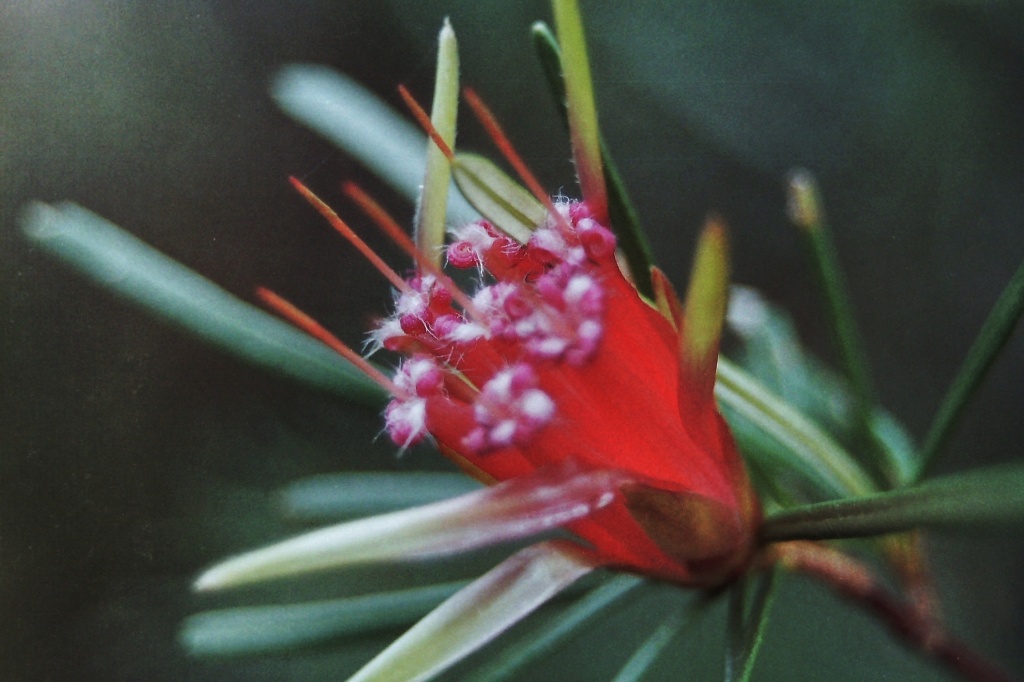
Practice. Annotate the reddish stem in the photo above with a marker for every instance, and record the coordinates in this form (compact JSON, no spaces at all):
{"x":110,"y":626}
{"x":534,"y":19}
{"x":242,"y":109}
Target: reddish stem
{"x":856,"y":581}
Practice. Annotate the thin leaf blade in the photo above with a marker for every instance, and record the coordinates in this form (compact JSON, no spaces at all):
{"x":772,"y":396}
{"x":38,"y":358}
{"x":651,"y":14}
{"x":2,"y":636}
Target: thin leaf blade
{"x":134,"y":270}
{"x":515,"y":509}
{"x":988,"y":496}
{"x":479,"y":613}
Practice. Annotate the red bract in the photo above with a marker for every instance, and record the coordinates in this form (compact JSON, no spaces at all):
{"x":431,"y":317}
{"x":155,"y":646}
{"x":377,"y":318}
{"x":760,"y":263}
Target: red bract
{"x":558,"y":359}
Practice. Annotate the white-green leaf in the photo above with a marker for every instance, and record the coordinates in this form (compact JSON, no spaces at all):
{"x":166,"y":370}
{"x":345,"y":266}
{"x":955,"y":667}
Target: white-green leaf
{"x":338,"y":496}
{"x":499,"y":198}
{"x":811,"y":450}
{"x":476,"y":615}
{"x":140,"y":273}
{"x":358,"y":122}
{"x":432,"y":204}
{"x":515,"y":509}
{"x":258,"y":629}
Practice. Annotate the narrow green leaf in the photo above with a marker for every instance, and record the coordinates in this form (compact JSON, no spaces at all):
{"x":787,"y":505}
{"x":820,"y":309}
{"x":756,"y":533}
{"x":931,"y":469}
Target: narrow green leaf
{"x":807,"y":212}
{"x":579,"y":89}
{"x":810,"y":450}
{"x":569,"y":623}
{"x":261,"y":629}
{"x":357,"y":121}
{"x":989,"y":496}
{"x":515,"y":509}
{"x":747,"y":627}
{"x":499,"y":198}
{"x":645,"y":657}
{"x":433,"y":200}
{"x":136,"y":271}
{"x":477,"y":614}
{"x":625,"y":221}
{"x":994,"y":334}
{"x":338,"y":496}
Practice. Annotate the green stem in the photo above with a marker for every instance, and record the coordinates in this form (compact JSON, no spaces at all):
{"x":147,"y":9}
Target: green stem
{"x":994,"y":334}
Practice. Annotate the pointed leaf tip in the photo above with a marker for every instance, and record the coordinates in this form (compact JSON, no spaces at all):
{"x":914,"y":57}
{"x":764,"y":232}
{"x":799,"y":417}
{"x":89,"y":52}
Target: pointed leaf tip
{"x":706,"y":297}
{"x":433,"y":202}
{"x":518,"y":508}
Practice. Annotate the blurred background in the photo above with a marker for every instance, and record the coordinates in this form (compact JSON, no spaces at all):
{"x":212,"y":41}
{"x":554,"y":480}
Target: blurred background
{"x":133,"y":455}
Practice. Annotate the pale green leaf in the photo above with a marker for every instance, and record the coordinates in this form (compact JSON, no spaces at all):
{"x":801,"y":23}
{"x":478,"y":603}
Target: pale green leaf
{"x":476,"y":615}
{"x":358,"y":122}
{"x":569,"y":623}
{"x":136,"y":271}
{"x":499,"y":198}
{"x":579,"y":89}
{"x":518,"y":508}
{"x":815,"y":454}
{"x":260,"y":629}
{"x":433,"y":199}
{"x":338,"y":496}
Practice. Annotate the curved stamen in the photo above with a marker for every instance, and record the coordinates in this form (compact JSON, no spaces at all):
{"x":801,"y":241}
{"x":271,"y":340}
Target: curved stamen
{"x":307,"y":324}
{"x":504,"y":145}
{"x":424,"y":120}
{"x":338,"y":224}
{"x":392,"y":229}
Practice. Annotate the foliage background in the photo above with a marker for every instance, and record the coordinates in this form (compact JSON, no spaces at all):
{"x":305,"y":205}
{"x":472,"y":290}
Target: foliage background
{"x":133,"y":455}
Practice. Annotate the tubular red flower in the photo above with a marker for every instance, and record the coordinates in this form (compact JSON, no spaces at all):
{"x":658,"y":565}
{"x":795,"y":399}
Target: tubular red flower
{"x":563,"y":360}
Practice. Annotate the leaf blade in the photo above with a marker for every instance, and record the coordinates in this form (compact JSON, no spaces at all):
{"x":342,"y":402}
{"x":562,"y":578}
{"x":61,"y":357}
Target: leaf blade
{"x":136,"y":271}
{"x":988,"y":496}
{"x":477,"y":614}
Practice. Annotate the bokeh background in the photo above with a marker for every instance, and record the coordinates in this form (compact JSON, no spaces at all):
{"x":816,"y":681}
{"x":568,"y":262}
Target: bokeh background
{"x":132,"y":455}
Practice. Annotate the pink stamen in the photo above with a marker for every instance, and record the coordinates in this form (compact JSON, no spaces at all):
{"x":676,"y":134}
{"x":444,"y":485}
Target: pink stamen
{"x":307,"y":324}
{"x":338,"y":224}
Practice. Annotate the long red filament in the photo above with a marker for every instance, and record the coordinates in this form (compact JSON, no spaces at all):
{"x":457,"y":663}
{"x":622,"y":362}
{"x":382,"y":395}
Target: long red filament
{"x":424,"y":120}
{"x":307,"y":324}
{"x":347,"y":232}
{"x":392,"y":229}
{"x":504,"y":145}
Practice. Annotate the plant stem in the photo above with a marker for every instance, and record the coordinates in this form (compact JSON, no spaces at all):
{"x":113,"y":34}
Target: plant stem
{"x":854,"y":580}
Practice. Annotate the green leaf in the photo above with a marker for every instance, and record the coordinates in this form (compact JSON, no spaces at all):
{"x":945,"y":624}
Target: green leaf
{"x":357,"y":121}
{"x":808,"y":449}
{"x":579,"y":101}
{"x":807,"y":212}
{"x":261,"y":629}
{"x":747,"y":627}
{"x":771,"y":351}
{"x":625,"y":221}
{"x":644,"y":657}
{"x":499,"y":198}
{"x":517,"y":508}
{"x":994,"y":334}
{"x":478,"y":613}
{"x":433,"y":199}
{"x":989,"y":496}
{"x":338,"y":496}
{"x":136,"y":271}
{"x":597,"y":603}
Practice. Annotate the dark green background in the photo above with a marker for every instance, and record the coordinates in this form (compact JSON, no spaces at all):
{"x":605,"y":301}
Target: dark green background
{"x":132,"y":456}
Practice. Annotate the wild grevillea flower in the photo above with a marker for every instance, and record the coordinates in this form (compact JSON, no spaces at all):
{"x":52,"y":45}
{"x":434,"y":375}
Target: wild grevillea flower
{"x":585,"y":405}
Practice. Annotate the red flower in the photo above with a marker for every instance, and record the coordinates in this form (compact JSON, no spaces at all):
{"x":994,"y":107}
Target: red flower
{"x":556,"y":359}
